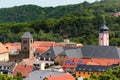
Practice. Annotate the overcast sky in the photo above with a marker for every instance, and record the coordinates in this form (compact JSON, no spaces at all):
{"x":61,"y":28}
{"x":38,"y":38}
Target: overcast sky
{"x":43,"y":3}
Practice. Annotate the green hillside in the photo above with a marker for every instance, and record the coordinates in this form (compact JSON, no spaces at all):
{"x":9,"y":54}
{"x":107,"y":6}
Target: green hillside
{"x":33,"y":12}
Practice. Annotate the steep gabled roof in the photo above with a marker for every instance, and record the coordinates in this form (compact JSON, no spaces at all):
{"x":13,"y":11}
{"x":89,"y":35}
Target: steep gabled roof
{"x":27,"y":35}
{"x":55,"y":51}
{"x":87,"y":51}
{"x":74,"y":53}
{"x":107,"y":52}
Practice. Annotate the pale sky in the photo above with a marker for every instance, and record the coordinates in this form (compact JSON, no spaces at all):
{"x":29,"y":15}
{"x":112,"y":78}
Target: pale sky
{"x":42,"y":3}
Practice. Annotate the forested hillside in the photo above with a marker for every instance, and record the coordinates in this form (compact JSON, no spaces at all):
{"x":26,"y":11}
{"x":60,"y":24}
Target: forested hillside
{"x":79,"y":22}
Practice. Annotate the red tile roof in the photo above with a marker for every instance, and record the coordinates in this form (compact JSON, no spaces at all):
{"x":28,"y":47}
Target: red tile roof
{"x":3,"y":49}
{"x":13,"y":46}
{"x":24,"y":69}
{"x":103,"y":62}
{"x":61,"y":77}
{"x":41,"y":49}
{"x":93,"y":61}
{"x":42,"y":46}
{"x":75,"y":60}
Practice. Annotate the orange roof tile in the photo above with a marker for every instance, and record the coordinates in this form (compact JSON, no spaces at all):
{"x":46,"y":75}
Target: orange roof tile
{"x":13,"y":46}
{"x":24,"y":69}
{"x":75,"y":60}
{"x":3,"y":49}
{"x":41,"y":49}
{"x":105,"y":62}
{"x":9,"y":47}
{"x":93,"y":61}
{"x":61,"y":77}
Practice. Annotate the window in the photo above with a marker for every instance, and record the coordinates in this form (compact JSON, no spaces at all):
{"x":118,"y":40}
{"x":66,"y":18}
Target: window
{"x":7,"y":67}
{"x":4,"y":67}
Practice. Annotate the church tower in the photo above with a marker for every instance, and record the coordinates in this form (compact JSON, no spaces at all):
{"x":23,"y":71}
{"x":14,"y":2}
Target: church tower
{"x":104,"y":35}
{"x":27,"y":44}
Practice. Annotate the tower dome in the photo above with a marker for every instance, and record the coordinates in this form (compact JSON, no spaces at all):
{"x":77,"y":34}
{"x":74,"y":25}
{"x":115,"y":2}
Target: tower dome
{"x":104,"y":27}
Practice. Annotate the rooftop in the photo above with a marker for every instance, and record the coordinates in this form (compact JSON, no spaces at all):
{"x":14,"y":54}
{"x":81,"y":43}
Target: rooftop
{"x":3,"y":49}
{"x":27,"y":35}
{"x":61,"y":77}
{"x":40,"y":75}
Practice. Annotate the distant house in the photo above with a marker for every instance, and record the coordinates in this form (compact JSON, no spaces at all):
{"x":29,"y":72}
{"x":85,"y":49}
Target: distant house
{"x":117,"y":14}
{"x":43,"y":74}
{"x":7,"y":67}
{"x":4,"y":53}
{"x":67,"y":42}
{"x":85,"y":70}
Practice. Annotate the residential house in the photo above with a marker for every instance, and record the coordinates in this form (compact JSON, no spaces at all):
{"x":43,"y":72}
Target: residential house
{"x":117,"y":14}
{"x":70,"y":64}
{"x":85,"y":70}
{"x":4,"y":53}
{"x":7,"y":67}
